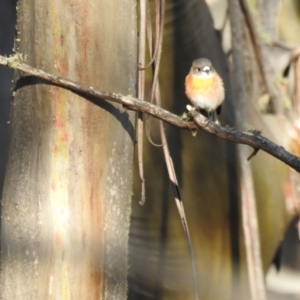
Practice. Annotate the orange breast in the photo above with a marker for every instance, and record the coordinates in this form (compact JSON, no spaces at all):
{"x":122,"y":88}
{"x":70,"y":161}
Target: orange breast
{"x":195,"y":85}
{"x":200,"y":84}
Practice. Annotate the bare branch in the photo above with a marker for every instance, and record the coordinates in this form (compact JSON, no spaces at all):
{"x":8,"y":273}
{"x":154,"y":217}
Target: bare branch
{"x":129,"y":101}
{"x":255,"y":140}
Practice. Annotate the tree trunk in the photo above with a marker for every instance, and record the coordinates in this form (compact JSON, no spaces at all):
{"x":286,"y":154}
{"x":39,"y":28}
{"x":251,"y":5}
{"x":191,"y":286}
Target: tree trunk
{"x":67,"y":191}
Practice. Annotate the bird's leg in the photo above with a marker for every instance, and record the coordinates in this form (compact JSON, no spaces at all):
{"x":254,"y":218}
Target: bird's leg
{"x":215,"y":117}
{"x":209,"y":117}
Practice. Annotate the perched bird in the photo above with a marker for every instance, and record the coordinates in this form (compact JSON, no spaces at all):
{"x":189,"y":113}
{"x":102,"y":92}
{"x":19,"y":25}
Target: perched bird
{"x":204,"y":87}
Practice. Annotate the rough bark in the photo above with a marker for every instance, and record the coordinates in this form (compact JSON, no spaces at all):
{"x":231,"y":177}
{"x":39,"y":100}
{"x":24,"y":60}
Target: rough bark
{"x":67,"y":192}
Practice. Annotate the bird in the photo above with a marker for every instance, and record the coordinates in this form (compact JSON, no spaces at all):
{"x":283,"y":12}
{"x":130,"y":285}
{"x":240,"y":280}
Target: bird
{"x":205,"y":89}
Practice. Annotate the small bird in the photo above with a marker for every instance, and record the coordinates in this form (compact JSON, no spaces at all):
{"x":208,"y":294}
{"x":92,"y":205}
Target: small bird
{"x":204,"y":87}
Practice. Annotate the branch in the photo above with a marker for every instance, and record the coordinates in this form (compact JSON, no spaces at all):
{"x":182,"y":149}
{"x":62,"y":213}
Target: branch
{"x":128,"y":101}
{"x":255,"y":140}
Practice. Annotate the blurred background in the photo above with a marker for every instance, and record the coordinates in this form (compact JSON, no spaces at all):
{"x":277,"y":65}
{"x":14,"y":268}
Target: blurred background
{"x":208,"y":168}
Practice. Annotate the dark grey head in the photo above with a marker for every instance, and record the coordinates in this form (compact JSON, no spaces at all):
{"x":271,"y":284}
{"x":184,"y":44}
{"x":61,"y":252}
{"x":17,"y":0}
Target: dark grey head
{"x":202,"y":67}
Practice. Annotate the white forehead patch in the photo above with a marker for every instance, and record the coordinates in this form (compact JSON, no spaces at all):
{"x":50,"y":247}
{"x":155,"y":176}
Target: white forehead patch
{"x":206,"y":69}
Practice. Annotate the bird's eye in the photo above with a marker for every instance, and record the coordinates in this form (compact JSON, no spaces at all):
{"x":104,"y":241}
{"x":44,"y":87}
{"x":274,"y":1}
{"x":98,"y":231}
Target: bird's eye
{"x":199,"y":69}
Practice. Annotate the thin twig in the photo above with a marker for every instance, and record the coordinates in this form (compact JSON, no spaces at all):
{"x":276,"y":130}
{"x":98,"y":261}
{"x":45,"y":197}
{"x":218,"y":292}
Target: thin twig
{"x":246,"y":138}
{"x":155,"y":95}
{"x":155,"y":54}
{"x":153,"y":47}
{"x":178,"y":201}
{"x":156,"y":64}
{"x":255,"y":150}
{"x":141,"y":95}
